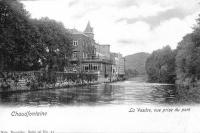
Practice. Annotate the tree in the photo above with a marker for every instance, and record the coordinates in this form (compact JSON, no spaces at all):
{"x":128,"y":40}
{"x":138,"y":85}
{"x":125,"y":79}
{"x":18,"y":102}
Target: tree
{"x":160,"y":66}
{"x":131,"y":73}
{"x":19,"y":38}
{"x":28,"y":44}
{"x":57,"y":43}
{"x":188,"y":59}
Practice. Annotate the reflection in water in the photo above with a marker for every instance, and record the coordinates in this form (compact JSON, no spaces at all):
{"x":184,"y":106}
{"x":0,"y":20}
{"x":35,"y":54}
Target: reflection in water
{"x":127,"y":92}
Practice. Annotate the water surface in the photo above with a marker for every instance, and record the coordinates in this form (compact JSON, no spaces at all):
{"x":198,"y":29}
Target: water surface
{"x":129,"y":92}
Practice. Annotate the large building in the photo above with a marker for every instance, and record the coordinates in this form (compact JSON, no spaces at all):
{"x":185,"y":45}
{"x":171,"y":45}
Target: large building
{"x":91,"y":57}
{"x":118,"y":66}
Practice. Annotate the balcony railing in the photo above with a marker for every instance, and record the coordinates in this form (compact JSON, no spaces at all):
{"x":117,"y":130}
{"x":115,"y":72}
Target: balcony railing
{"x":97,"y":59}
{"x":93,"y":59}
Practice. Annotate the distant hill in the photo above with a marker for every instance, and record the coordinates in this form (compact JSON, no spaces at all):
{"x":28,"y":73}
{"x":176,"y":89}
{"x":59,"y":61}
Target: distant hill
{"x":136,"y":62}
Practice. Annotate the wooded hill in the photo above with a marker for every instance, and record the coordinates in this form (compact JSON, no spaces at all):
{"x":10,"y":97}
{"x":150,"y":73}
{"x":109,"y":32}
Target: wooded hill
{"x":136,"y":62}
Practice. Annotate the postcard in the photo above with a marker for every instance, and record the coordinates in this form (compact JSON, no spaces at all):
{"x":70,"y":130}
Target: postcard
{"x":99,"y":66}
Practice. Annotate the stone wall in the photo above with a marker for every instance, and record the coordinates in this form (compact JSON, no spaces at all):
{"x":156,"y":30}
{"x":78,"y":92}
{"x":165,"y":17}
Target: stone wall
{"x":34,"y":80}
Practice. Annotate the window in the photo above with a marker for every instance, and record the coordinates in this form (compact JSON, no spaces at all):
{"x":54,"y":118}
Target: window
{"x":75,"y":54}
{"x":90,"y":67}
{"x":86,"y":68}
{"x":75,"y":43}
{"x":95,"y":67}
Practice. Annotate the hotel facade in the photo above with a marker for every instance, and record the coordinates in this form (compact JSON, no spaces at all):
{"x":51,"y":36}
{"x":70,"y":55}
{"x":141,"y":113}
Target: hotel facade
{"x":91,"y":57}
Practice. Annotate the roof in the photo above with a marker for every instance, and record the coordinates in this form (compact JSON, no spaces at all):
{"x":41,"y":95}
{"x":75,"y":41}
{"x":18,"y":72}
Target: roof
{"x":88,"y":28}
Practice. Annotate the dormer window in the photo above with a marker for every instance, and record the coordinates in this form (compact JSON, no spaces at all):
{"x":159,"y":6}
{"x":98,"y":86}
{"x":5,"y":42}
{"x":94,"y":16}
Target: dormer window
{"x":75,"y":43}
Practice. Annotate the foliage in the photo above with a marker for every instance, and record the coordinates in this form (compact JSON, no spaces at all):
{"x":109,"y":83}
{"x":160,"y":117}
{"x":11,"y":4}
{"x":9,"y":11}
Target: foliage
{"x":18,"y":37}
{"x":184,"y":62}
{"x":131,"y":73}
{"x":136,"y":62}
{"x":160,"y":66}
{"x":56,"y":42}
{"x":28,"y":44}
{"x":188,"y":59}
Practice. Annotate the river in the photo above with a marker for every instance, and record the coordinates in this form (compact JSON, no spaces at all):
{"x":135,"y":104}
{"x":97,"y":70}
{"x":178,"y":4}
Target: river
{"x":130,"y":92}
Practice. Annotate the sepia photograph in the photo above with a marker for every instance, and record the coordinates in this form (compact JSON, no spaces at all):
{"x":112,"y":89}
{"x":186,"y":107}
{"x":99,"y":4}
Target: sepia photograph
{"x":81,"y":66}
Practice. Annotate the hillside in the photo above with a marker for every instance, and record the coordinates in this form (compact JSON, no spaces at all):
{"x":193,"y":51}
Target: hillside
{"x":136,"y":62}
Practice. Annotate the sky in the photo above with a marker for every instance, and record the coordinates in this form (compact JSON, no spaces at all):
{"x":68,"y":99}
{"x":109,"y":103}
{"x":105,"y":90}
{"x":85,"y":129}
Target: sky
{"x":129,"y":26}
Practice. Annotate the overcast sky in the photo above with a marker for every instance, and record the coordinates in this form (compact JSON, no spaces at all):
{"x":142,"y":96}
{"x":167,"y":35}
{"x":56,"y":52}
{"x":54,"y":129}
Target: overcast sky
{"x":129,"y":26}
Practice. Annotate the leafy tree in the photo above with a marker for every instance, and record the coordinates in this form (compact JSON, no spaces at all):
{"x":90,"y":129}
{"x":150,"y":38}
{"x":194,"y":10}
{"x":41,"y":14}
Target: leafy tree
{"x":57,"y":44}
{"x":19,"y":38}
{"x":28,"y":44}
{"x":131,"y":73}
{"x":188,"y":59}
{"x":160,"y":66}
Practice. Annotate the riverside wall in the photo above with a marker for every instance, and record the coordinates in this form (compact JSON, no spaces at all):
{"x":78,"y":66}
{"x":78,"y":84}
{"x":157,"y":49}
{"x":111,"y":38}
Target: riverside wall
{"x":39,"y":80}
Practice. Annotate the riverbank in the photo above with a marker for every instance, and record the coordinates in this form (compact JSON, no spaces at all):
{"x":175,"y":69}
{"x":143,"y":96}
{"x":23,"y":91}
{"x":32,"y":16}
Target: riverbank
{"x":185,"y":93}
{"x":36,"y":81}
{"x":25,"y":88}
{"x":188,"y":94}
{"x":11,"y":82}
{"x":48,"y":87}
{"x":140,"y":78}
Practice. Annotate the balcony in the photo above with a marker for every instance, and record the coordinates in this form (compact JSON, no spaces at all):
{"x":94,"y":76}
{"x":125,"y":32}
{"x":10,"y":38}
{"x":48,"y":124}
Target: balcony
{"x":96,"y":60}
{"x":91,"y":59}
